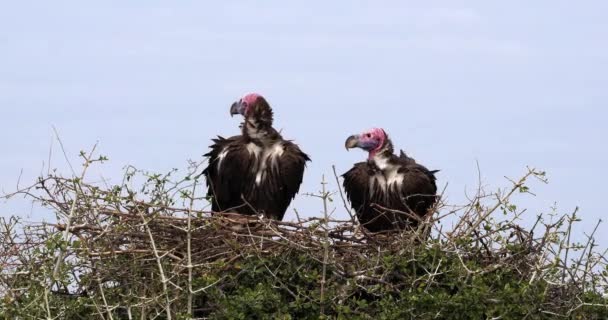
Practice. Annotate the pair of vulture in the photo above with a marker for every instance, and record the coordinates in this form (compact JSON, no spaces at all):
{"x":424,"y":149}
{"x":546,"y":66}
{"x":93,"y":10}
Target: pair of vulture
{"x":259,"y":172}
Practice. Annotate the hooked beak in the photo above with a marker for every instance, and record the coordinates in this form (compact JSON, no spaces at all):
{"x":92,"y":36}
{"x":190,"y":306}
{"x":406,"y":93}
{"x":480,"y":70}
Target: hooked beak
{"x":234,"y":109}
{"x":352,"y":142}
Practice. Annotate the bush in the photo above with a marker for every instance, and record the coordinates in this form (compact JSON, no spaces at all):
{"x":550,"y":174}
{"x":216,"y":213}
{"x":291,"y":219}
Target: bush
{"x":147,"y":248}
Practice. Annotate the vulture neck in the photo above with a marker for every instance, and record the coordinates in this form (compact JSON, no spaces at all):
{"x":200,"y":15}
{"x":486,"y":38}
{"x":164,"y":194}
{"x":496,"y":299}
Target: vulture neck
{"x":383,"y":156}
{"x":254,"y":129}
{"x":258,"y":122}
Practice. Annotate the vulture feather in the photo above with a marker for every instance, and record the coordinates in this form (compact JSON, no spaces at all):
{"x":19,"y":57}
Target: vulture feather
{"x":387,"y":191}
{"x":257,"y":172}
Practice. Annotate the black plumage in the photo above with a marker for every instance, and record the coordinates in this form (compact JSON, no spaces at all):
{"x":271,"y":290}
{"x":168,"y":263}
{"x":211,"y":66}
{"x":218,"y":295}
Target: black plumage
{"x":388,"y":191}
{"x":257,"y":171}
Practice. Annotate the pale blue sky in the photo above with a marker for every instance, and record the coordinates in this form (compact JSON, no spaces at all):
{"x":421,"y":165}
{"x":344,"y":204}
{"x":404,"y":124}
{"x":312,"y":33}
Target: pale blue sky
{"x":507,"y":84}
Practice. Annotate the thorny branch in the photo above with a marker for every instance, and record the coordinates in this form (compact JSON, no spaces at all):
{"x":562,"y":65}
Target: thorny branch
{"x":154,"y":244}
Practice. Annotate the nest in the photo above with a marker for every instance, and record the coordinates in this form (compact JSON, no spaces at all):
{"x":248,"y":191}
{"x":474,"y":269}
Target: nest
{"x":123,"y":255}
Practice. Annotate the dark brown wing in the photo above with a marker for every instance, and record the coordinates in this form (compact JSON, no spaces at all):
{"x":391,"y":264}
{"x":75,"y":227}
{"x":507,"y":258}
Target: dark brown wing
{"x":405,"y":159}
{"x":410,"y":163}
{"x":416,"y":195}
{"x":284,"y":180}
{"x":419,"y":190}
{"x":356,"y":186}
{"x":230,"y":178}
{"x":362,"y":198}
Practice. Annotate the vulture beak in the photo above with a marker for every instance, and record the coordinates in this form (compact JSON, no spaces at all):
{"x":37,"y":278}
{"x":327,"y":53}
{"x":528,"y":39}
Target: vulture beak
{"x":352,"y":142}
{"x":234,"y":109}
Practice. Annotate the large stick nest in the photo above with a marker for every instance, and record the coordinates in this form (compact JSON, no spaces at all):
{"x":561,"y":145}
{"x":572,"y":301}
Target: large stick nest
{"x":157,"y":239}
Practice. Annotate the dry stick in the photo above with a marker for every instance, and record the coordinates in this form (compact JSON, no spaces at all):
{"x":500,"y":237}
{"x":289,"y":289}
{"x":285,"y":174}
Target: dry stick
{"x":516,"y":186}
{"x":587,"y":266}
{"x":105,"y":301}
{"x":598,"y":261}
{"x":350,"y":213}
{"x":433,"y":275}
{"x":279,"y":281}
{"x":538,"y":264}
{"x":209,"y":286}
{"x":437,"y":206}
{"x":48,"y":173}
{"x":571,"y":220}
{"x":101,"y":290}
{"x":407,"y":214}
{"x":189,"y":248}
{"x":47,"y":306}
{"x":590,"y":245}
{"x":98,"y":310}
{"x":160,"y":265}
{"x":475,"y":199}
{"x":325,"y":196}
{"x":67,"y":159}
{"x":66,"y":233}
{"x":580,"y":260}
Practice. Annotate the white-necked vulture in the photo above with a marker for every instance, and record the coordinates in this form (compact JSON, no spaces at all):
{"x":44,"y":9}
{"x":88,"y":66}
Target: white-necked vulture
{"x":387,"y":191}
{"x":257,"y":172}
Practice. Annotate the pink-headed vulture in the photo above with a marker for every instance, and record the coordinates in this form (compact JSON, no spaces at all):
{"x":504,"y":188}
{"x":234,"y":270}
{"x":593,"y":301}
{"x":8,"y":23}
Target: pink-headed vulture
{"x":256,"y":172}
{"x":387,"y":191}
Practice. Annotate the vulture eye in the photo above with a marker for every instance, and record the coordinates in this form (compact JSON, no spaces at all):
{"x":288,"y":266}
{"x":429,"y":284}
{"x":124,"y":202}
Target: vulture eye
{"x":369,"y":135}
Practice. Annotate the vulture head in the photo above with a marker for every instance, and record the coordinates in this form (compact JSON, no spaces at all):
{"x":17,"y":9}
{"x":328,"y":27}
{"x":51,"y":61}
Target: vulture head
{"x":372,"y":141}
{"x":254,"y":108}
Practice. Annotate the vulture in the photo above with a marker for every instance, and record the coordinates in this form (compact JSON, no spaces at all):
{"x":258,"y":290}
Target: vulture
{"x":256,"y":172}
{"x":387,"y":191}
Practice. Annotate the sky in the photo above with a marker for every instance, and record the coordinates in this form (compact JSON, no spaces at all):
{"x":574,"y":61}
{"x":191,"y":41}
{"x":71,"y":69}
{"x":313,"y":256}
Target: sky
{"x":455,"y":83}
